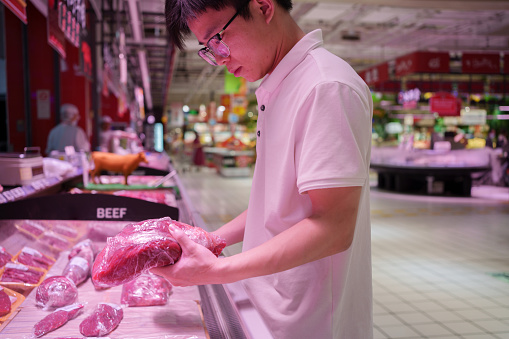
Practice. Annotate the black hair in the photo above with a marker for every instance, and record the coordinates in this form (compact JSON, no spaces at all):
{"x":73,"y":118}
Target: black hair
{"x":178,"y":12}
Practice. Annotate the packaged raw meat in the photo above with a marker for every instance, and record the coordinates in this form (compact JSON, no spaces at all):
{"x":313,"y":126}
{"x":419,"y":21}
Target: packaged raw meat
{"x":65,"y":230}
{"x":31,"y":228}
{"x":77,"y":270}
{"x":141,"y":246}
{"x":56,"y":319}
{"x":5,"y":302}
{"x":5,"y":257}
{"x":54,"y":240}
{"x":34,"y":258}
{"x":103,"y":320}
{"x":85,"y":249}
{"x":20,"y":273}
{"x":57,"y":291}
{"x":146,"y":290}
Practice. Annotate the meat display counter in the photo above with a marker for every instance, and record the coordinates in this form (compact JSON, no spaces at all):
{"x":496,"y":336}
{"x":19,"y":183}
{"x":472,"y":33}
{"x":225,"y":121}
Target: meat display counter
{"x":429,"y":171}
{"x":52,"y":224}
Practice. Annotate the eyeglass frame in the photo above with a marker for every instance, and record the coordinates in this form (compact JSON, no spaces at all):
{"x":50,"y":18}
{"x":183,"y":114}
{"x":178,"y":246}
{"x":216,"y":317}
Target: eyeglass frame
{"x":206,"y":52}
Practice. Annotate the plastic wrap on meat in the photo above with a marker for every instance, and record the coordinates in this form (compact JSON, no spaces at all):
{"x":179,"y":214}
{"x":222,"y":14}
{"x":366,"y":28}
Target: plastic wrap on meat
{"x":85,"y":249}
{"x":77,"y":270}
{"x":54,"y":240}
{"x":65,"y":230}
{"x":141,"y":246}
{"x":56,"y":319}
{"x":146,"y":290}
{"x":5,"y":303}
{"x":33,"y":228}
{"x":34,"y":258}
{"x":21,"y":273}
{"x":57,"y":291}
{"x":5,"y":256}
{"x":103,"y":320}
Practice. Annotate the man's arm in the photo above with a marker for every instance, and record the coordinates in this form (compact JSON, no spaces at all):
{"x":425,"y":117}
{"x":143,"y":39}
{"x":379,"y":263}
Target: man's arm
{"x":233,"y":231}
{"x":329,"y":230}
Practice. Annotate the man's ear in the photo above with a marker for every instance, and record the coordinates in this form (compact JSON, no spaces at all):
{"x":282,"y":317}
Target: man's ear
{"x":266,"y":8}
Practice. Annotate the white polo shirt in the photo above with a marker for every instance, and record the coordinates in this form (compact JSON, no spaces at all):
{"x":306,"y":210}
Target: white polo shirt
{"x":314,"y":131}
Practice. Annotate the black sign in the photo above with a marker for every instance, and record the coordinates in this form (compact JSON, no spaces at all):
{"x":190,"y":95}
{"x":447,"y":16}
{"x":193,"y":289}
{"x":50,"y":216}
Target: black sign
{"x":86,"y":207}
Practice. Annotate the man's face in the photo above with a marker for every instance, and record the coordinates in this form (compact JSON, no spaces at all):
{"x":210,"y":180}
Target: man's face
{"x":250,"y":55}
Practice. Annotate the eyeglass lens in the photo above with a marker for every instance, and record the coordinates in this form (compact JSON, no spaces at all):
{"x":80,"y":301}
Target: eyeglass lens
{"x":207,"y":56}
{"x":218,"y":47}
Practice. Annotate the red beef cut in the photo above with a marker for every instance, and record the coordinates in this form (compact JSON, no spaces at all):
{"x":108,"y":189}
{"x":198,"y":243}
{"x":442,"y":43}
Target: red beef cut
{"x":77,"y":270}
{"x":103,"y":320}
{"x":56,"y":291}
{"x":84,"y":249}
{"x":65,"y":230}
{"x":56,"y":319}
{"x":20,"y":273}
{"x":5,"y":257}
{"x":141,"y":246}
{"x":146,"y":290}
{"x":5,"y":303}
{"x":34,"y":258}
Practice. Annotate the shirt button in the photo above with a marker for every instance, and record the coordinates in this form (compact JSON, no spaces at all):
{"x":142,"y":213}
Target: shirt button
{"x":262,"y":107}
{"x":258,"y":133}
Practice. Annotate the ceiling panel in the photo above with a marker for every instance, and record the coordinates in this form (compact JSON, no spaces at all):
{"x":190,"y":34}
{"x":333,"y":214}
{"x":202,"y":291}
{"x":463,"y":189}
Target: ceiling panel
{"x":363,"y":32}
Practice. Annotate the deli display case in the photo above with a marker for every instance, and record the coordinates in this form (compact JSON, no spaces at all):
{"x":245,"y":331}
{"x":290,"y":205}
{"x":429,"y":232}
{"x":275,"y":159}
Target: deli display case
{"x":449,"y":172}
{"x":51,"y":221}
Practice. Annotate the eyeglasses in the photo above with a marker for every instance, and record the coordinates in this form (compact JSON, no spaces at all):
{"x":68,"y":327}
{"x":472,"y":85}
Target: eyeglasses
{"x":216,"y":45}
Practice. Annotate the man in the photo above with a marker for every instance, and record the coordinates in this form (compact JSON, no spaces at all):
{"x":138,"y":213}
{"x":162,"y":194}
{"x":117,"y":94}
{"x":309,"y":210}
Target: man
{"x":67,"y":133}
{"x":306,"y":259}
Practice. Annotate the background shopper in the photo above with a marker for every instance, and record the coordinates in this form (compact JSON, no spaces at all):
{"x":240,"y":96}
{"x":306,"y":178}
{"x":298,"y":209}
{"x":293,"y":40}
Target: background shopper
{"x":67,"y":133}
{"x":306,"y":259}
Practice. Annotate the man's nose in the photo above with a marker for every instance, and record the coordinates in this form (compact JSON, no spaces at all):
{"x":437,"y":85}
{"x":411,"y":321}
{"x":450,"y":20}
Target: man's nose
{"x":221,"y":61}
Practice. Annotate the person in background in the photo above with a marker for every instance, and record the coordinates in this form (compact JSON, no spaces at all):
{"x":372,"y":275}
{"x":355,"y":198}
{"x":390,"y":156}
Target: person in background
{"x":67,"y":132}
{"x":198,"y":154}
{"x":491,"y":139}
{"x":306,"y":256}
{"x":502,"y":140}
{"x":105,"y":136}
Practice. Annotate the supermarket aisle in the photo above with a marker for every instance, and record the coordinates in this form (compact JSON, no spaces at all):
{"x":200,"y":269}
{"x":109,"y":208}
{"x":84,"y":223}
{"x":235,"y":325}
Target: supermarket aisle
{"x":440,"y":265}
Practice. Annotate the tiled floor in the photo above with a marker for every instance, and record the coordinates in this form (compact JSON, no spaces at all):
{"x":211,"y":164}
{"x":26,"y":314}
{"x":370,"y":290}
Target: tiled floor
{"x":438,"y":263}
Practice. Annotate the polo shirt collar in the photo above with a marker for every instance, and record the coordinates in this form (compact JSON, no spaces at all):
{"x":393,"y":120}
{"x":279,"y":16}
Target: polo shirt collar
{"x":292,"y":59}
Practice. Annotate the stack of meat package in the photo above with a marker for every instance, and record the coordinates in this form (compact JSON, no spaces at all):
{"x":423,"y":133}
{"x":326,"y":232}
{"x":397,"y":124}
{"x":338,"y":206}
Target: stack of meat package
{"x":125,"y":260}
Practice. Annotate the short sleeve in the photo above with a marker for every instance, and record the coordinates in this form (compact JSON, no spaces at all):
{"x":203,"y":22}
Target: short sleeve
{"x":333,"y":138}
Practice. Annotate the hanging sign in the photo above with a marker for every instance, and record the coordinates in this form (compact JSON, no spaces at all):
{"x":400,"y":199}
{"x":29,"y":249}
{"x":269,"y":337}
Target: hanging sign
{"x":422,"y":62}
{"x":480,"y":63}
{"x":72,"y":19}
{"x":56,"y":38}
{"x":18,"y":7}
{"x":410,"y":98}
{"x":445,"y":104}
{"x":86,"y":59}
{"x":376,"y":74}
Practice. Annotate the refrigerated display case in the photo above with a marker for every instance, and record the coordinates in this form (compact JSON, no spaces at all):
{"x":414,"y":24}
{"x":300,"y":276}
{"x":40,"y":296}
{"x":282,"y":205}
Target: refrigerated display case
{"x":433,"y":172}
{"x":192,"y":312}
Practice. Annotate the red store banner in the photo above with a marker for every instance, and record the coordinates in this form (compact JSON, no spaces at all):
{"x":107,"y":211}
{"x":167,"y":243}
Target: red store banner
{"x":376,"y":74}
{"x":477,"y":63}
{"x":422,"y":62}
{"x":56,"y":38}
{"x":18,"y":7}
{"x":506,"y":64}
{"x":445,"y":104}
